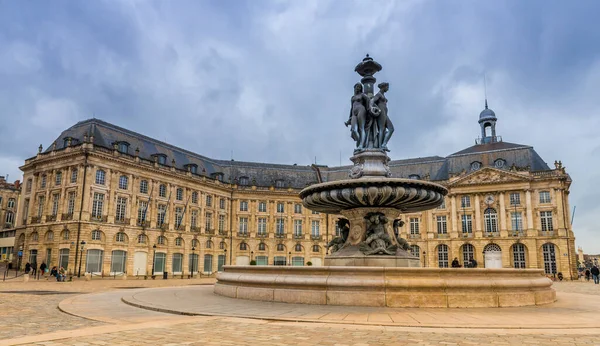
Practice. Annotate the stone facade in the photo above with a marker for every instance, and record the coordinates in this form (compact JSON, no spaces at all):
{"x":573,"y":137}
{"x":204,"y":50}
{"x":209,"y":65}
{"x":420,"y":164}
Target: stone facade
{"x":93,"y":183}
{"x":9,"y":199}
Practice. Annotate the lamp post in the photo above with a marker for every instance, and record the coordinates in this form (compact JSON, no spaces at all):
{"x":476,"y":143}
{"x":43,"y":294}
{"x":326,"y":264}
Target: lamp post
{"x":251,"y":255}
{"x":153,"y":260}
{"x":80,"y":258}
{"x":290,"y":258}
{"x":193,"y":260}
{"x":425,"y":258}
{"x":225,"y":262}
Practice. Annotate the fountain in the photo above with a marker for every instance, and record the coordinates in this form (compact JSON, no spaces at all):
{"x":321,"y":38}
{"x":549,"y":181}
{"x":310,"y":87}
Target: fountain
{"x":369,"y":264}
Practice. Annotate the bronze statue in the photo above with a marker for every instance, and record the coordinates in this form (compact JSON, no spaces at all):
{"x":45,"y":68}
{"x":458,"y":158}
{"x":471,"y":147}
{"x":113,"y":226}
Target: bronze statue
{"x":337,"y":243}
{"x":401,"y":242}
{"x":385,"y":128}
{"x":358,"y":117}
{"x":378,"y":241}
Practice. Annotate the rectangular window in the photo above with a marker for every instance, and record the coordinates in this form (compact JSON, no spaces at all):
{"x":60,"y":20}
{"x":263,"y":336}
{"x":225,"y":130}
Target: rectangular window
{"x":544,"y":196}
{"x":28,"y":186}
{"x":443,"y":205}
{"x":516,"y":221}
{"x":142,"y":210}
{"x":298,"y":228}
{"x":41,"y":202}
{"x":63,"y":258}
{"x":414,"y":225}
{"x":208,"y":200}
{"x":244,"y":225}
{"x":178,"y":216}
{"x":177,"y":263}
{"x":208,"y":266}
{"x":515,"y":198}
{"x":194,"y":197}
{"x":467,"y":224}
{"x":441,"y":225}
{"x":465,"y":202}
{"x":280,"y":229}
{"x":209,"y":221}
{"x":55,"y":200}
{"x":546,"y":218}
{"x":74,"y":176}
{"x":315,"y":228}
{"x":298,"y":208}
{"x":43,"y":182}
{"x":25,"y":211}
{"x":193,"y":263}
{"x":262,"y":260}
{"x":280,"y":207}
{"x":222,"y":203}
{"x":262,"y":207}
{"x":121,"y":209}
{"x":58,"y":178}
{"x":71,"y":202}
{"x":243,"y":205}
{"x":160,"y":217}
{"x":194,"y":219}
{"x":262,"y":225}
{"x":97,"y":205}
{"x":279,"y":260}
{"x":221,"y":223}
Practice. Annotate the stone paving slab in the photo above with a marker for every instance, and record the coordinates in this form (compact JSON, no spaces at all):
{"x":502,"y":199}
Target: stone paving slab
{"x":572,"y":310}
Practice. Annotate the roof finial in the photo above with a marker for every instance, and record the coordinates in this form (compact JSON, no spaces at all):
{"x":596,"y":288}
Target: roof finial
{"x":485,"y":90}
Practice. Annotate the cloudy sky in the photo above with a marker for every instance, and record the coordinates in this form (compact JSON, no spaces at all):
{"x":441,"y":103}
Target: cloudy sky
{"x":271,"y":81}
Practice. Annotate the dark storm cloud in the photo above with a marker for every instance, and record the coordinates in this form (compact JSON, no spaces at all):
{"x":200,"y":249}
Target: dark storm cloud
{"x":271,"y":81}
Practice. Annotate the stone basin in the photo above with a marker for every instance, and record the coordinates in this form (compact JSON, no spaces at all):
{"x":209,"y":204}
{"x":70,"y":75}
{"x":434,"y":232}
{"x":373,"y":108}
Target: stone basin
{"x":405,"y":195}
{"x":391,"y":287}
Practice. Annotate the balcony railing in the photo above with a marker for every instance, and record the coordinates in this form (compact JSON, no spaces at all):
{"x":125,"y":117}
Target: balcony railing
{"x":209,"y":231}
{"x":243,"y":234}
{"x":67,"y":217}
{"x":298,"y":236}
{"x":491,"y":234}
{"x":195,"y":229}
{"x":442,"y":235}
{"x":143,"y":223}
{"x":123,"y":221}
{"x":517,"y":233}
{"x":467,"y":235}
{"x":279,"y":235}
{"x":547,"y":233}
{"x":35,"y":219}
{"x":8,"y":225}
{"x":98,"y":218}
{"x":262,"y":234}
{"x":315,"y":236}
{"x":50,"y":218}
{"x":414,"y":236}
{"x":223,"y":233}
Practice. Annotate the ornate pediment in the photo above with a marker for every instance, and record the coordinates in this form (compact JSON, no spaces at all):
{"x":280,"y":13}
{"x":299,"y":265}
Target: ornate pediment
{"x":490,"y":175}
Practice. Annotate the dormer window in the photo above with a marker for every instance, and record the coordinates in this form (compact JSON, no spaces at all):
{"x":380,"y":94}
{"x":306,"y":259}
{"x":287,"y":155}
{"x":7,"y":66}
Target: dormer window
{"x":414,"y":177}
{"x":475,"y":165}
{"x":218,"y":176}
{"x":244,"y":181}
{"x":161,"y":159}
{"x":193,"y":168}
{"x":279,"y":184}
{"x":123,"y":147}
{"x":67,"y":141}
{"x":499,"y":163}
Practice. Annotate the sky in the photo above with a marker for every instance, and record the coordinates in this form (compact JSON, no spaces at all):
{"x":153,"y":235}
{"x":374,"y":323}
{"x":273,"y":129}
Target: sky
{"x":271,"y":81}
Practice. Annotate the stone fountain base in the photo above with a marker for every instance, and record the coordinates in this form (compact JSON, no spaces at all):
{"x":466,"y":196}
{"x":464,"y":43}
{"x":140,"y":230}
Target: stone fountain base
{"x":373,"y":261}
{"x":391,"y":287}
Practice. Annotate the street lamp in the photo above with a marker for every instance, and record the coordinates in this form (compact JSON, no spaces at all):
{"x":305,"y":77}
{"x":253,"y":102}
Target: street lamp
{"x":80,"y":258}
{"x":153,"y":260}
{"x":251,"y":255}
{"x":225,"y":262}
{"x":193,"y":260}
{"x":290,"y":258}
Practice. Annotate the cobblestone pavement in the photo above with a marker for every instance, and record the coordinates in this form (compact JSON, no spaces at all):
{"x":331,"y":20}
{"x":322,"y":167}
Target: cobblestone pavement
{"x":32,"y":318}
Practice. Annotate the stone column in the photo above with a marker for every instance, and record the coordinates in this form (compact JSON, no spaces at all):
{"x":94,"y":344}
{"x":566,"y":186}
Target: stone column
{"x":560,"y":219}
{"x":453,"y":216}
{"x":529,"y":207}
{"x":477,"y":214}
{"x":502,"y":213}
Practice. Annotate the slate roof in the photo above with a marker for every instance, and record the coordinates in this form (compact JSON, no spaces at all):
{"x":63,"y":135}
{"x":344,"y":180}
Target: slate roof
{"x":435,"y":168}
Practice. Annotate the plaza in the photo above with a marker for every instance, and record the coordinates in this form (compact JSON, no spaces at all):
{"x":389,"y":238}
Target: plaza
{"x":106,"y":312}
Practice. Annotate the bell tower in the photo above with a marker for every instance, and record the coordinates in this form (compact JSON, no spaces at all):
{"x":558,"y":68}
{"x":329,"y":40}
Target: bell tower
{"x":487,"y":121}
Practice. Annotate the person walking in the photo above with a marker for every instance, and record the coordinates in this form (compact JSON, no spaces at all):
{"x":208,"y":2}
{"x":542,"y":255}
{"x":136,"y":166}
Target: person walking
{"x":587,"y":274}
{"x":595,"y":272}
{"x":27,"y":268}
{"x":43,"y":268}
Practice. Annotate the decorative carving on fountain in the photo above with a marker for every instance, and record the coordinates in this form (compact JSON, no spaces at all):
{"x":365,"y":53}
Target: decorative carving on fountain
{"x":337,"y":243}
{"x":378,"y":241}
{"x":401,"y":241}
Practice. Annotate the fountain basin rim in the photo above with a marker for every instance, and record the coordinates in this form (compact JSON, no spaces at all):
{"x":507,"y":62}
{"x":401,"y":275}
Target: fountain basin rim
{"x":372,"y":181}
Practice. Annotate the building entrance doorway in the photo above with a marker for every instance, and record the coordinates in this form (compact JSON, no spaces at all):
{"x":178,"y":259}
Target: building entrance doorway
{"x":492,"y":256}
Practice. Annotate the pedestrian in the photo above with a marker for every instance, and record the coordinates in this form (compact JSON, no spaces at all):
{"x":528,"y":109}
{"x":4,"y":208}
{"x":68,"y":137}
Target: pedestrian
{"x":43,"y":268}
{"x":595,"y":272}
{"x":455,"y":263}
{"x":54,"y":272}
{"x":61,"y":275}
{"x":34,"y":267}
{"x":27,"y":268}
{"x":587,"y":274}
{"x":472,"y":263}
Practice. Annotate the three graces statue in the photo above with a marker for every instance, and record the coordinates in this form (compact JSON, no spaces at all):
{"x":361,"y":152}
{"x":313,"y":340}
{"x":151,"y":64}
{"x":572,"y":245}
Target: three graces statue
{"x":369,"y":123}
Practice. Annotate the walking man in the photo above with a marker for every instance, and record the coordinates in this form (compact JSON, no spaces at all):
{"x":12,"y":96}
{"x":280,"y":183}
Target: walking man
{"x":595,"y":273}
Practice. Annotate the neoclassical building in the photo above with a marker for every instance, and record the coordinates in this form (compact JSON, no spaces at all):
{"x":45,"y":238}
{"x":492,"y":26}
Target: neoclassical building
{"x":9,"y":197}
{"x":113,"y":201}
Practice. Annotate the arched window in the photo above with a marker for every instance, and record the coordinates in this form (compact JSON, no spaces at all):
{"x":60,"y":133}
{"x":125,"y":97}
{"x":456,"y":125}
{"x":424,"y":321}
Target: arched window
{"x":195,"y":243}
{"x":468,"y":252}
{"x":96,"y":235}
{"x":549,"y":253}
{"x":222,"y":245}
{"x":298,"y":248}
{"x":121,"y":237}
{"x":244,"y":181}
{"x":65,"y":234}
{"x":100,"y":177}
{"x":262,"y":247}
{"x":179,"y":194}
{"x":141,"y":239}
{"x":144,"y":186}
{"x":415,"y":250}
{"x":162,"y":190}
{"x":161,"y":240}
{"x":34,"y":236}
{"x":123,"y":182}
{"x":280,"y":247}
{"x":316,"y":248}
{"x":178,"y":241}
{"x":491,"y":220}
{"x":49,"y":236}
{"x":209,"y":244}
{"x":443,"y":256}
{"x":243,"y":246}
{"x":519,"y":256}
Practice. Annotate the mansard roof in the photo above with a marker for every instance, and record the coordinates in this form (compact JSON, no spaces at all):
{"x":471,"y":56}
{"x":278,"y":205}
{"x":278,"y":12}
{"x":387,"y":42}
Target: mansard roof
{"x":434,"y":168}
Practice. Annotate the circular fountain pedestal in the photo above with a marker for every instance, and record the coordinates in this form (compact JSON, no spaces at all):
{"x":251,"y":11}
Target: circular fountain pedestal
{"x":391,"y":287}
